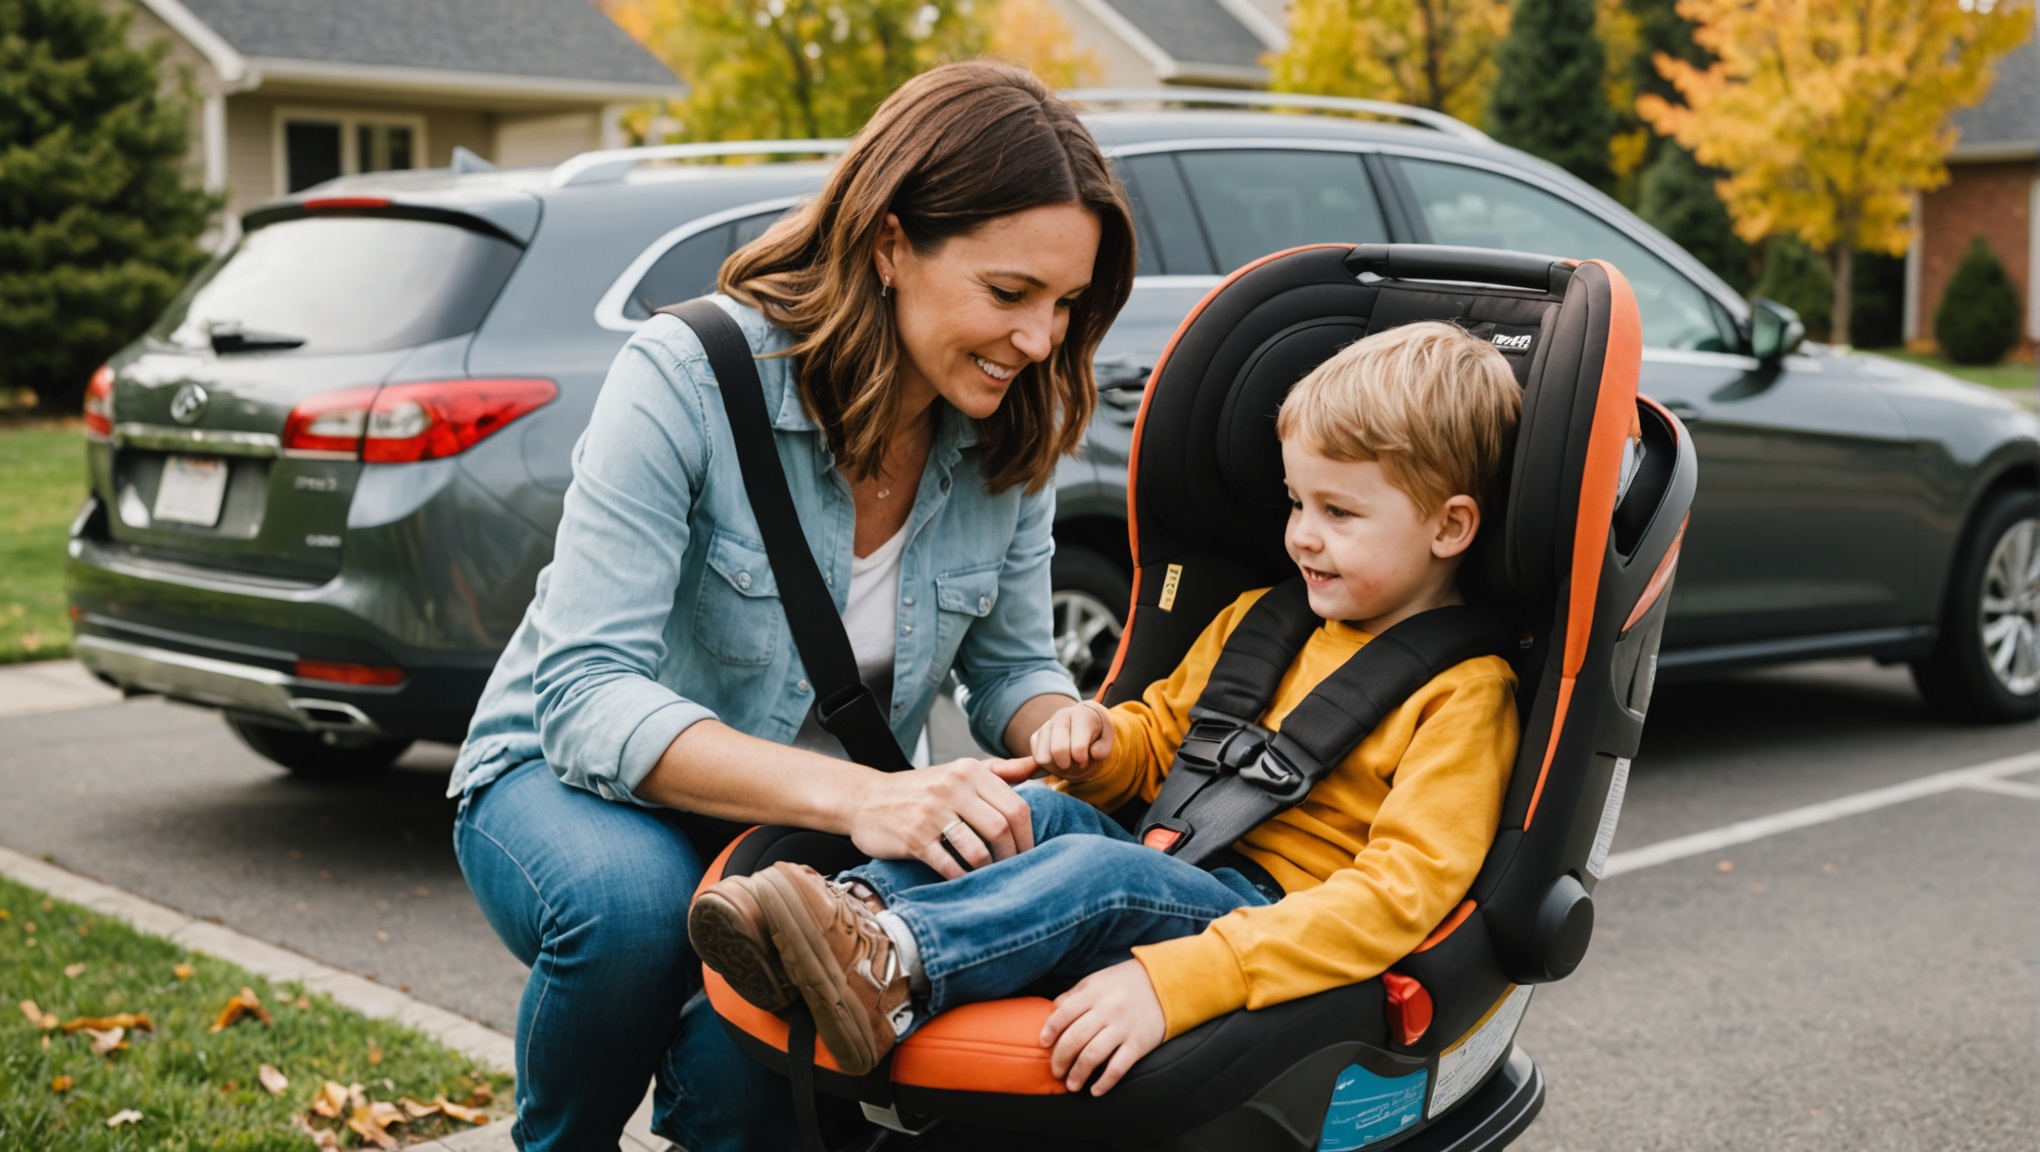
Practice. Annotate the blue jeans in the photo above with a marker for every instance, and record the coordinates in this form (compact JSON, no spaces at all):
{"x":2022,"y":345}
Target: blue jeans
{"x":1085,"y":895}
{"x":593,"y":896}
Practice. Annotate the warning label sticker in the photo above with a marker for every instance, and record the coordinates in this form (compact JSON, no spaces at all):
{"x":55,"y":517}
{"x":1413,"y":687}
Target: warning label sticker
{"x":1597,"y":860}
{"x":1367,"y":1108}
{"x":1463,"y":1066}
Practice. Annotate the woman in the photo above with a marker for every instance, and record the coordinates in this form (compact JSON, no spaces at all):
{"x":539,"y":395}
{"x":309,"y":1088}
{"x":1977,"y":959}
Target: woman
{"x":925,"y":330}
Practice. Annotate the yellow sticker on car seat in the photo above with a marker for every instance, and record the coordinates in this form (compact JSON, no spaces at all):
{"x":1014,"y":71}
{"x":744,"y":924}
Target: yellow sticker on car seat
{"x":1169,"y":583}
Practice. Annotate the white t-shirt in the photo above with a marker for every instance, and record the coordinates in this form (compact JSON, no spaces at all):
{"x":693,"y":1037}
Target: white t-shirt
{"x":872,"y":618}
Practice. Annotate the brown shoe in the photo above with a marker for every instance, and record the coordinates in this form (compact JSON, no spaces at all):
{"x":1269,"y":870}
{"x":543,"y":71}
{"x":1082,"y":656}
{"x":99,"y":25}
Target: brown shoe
{"x":840,"y":960}
{"x":730,"y":934}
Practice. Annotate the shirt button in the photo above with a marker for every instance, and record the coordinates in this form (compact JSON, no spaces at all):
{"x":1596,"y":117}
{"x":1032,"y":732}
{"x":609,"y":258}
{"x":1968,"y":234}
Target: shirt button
{"x":909,"y":629}
{"x":743,"y":580}
{"x":984,"y":604}
{"x":909,"y":602}
{"x":830,"y":579}
{"x":802,"y":686}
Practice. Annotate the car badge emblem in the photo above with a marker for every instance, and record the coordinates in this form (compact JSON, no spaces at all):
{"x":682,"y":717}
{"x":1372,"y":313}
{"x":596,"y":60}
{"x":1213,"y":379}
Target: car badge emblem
{"x":189,"y":404}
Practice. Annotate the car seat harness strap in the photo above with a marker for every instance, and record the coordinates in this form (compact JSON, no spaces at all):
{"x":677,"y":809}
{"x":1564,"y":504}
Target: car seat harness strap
{"x":844,"y":704}
{"x":1231,"y":774}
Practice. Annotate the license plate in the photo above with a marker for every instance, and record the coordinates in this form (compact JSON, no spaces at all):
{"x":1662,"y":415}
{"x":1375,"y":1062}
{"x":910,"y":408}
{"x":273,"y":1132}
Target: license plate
{"x":192,"y":490}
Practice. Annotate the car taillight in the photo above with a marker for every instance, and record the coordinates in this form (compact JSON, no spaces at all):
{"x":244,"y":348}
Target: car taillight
{"x":428,"y":421}
{"x":99,"y":402}
{"x":365,"y":675}
{"x":404,"y":423}
{"x":330,"y":424}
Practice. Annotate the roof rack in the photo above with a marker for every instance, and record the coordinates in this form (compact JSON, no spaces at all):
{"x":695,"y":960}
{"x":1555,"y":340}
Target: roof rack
{"x":613,"y":164}
{"x":1426,"y":117}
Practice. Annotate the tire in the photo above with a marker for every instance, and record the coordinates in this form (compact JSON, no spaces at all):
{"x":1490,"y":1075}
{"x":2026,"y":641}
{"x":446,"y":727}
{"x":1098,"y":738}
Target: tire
{"x":317,"y":755}
{"x":1986,"y":665}
{"x":1090,"y":598}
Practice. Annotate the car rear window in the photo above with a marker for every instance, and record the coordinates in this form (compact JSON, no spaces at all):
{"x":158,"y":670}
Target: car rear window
{"x":337,"y":284}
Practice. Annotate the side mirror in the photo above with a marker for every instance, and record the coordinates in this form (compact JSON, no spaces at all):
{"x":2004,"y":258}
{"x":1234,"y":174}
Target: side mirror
{"x":1775,"y":330}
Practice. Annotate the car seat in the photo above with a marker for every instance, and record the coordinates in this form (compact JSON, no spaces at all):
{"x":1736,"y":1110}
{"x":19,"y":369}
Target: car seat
{"x":1580,"y":547}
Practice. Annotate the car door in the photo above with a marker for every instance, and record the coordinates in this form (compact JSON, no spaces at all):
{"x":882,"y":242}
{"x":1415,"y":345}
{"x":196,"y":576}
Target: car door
{"x":1806,"y":518}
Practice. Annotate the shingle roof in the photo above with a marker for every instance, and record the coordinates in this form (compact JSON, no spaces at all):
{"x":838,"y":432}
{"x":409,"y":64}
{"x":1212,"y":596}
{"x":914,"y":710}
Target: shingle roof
{"x":2011,"y":113}
{"x":1193,"y":31}
{"x":568,"y":39}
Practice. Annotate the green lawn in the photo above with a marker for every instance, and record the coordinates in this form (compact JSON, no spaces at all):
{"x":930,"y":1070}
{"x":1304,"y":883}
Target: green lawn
{"x":195,"y":1089}
{"x":42,"y":481}
{"x":2014,"y":377}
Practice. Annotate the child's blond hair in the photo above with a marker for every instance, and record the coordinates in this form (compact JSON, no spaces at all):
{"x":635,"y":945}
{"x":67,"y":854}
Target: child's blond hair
{"x":1431,"y":403}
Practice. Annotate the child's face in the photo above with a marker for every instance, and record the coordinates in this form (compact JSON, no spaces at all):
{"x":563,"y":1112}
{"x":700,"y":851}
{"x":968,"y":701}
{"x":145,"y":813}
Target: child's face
{"x":1368,"y":554}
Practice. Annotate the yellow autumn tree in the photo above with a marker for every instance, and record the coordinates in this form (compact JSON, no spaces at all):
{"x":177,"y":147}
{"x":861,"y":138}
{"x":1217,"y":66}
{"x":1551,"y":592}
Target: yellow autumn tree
{"x":1622,"y":37}
{"x":1437,"y":54}
{"x":1829,"y":114}
{"x":1033,"y":33}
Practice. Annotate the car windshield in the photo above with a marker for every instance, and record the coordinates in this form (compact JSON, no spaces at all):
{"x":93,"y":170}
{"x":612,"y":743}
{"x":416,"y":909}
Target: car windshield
{"x":335,"y":284}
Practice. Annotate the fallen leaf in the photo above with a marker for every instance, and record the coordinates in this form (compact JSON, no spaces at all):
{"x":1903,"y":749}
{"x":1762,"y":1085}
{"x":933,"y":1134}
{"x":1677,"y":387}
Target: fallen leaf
{"x":304,"y":1004}
{"x":324,"y":1138}
{"x":274,"y":1081}
{"x":374,"y":1053}
{"x":357,"y":1100}
{"x":5,"y":914}
{"x":139,"y":1021}
{"x":46,"y":1042}
{"x":1725,"y":866}
{"x":417,"y":1111}
{"x":471,"y":1115}
{"x":182,"y":971}
{"x":28,"y":926}
{"x":384,"y":1114}
{"x":49,"y":905}
{"x":73,"y":971}
{"x":331,"y":1100}
{"x":61,"y":1084}
{"x":480,"y":1096}
{"x":244,"y":1003}
{"x":37,"y":1016}
{"x":124,"y":1116}
{"x":367,"y":1130}
{"x":107,"y":1040}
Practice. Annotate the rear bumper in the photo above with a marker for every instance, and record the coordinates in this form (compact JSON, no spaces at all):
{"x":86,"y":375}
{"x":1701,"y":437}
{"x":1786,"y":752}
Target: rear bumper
{"x":243,"y":688}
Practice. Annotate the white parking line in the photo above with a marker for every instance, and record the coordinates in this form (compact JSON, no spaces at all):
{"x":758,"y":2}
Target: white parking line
{"x":2005,"y":788}
{"x":1987,"y":777}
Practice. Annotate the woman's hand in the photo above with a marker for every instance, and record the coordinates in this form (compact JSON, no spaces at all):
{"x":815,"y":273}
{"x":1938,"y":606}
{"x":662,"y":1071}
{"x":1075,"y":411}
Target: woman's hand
{"x":970,"y":803}
{"x":1111,"y":1018}
{"x":1075,"y":742}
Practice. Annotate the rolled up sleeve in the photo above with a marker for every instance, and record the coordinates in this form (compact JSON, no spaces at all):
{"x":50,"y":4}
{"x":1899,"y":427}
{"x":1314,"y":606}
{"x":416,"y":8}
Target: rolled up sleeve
{"x":1008,"y":656}
{"x":602,"y":714}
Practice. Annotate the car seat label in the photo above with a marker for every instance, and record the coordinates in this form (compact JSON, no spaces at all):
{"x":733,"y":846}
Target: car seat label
{"x":1169,"y":583}
{"x":1618,"y":784}
{"x":1367,"y":1108}
{"x":1462,"y":1067}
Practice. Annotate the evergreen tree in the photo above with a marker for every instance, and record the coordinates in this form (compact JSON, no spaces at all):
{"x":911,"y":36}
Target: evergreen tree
{"x":98,"y":226}
{"x":1549,"y":98}
{"x":1676,"y":195}
{"x":1978,"y":319}
{"x":1796,"y":276}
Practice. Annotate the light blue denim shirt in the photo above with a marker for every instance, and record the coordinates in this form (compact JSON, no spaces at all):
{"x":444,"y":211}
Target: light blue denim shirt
{"x":659,"y":608}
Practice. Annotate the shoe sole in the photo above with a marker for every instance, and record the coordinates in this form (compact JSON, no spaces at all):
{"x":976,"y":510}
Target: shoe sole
{"x":842,"y":1026}
{"x":716,"y":929}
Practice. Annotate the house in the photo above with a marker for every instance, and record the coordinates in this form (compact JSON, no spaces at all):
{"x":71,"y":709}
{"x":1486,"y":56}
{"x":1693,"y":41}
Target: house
{"x":1993,"y":191}
{"x":293,"y":92}
{"x":1200,"y":43}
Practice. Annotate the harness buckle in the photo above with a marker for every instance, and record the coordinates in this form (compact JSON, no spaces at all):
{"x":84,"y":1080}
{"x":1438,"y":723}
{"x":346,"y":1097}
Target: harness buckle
{"x":1272,"y":771}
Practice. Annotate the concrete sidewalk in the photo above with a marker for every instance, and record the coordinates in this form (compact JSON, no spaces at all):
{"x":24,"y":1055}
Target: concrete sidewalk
{"x":50,"y":686}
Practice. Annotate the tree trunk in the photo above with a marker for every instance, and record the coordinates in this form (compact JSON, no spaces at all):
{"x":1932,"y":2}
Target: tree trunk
{"x":1842,"y":266}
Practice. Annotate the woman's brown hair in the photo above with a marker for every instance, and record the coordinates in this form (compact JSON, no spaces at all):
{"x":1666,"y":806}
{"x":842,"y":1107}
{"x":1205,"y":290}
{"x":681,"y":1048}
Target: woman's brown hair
{"x":953,"y":148}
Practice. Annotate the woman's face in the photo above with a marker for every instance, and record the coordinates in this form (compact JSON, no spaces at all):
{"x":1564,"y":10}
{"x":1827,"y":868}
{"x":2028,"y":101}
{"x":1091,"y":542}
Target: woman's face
{"x":987,"y":303}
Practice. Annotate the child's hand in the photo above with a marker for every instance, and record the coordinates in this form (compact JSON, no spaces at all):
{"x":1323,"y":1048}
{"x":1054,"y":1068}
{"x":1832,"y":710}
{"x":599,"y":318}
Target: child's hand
{"x":1074,"y":743}
{"x":1110,"y":1018}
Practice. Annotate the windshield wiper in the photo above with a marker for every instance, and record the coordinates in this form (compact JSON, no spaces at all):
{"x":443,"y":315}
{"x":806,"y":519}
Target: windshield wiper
{"x":229,"y":336}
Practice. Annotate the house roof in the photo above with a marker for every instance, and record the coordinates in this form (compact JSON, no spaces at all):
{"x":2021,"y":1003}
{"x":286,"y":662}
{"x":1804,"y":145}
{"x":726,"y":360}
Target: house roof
{"x":544,"y":39}
{"x":1194,"y":40}
{"x":2007,"y":124}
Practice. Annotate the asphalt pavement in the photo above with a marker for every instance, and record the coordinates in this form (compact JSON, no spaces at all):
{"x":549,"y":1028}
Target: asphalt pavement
{"x":1866,"y":982}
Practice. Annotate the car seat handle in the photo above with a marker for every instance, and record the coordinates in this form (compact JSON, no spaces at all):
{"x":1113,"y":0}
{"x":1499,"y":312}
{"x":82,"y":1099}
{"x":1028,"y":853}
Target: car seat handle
{"x":1449,"y":262}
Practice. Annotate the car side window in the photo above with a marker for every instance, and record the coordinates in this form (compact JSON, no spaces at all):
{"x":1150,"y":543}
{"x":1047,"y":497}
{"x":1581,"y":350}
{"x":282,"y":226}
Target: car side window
{"x":1166,"y":231}
{"x":688,"y":269}
{"x":1257,"y":201}
{"x":1482,"y":209}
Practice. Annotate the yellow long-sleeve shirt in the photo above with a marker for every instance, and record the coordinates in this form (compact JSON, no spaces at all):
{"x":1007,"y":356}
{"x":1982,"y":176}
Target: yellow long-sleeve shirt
{"x":1372,"y":860}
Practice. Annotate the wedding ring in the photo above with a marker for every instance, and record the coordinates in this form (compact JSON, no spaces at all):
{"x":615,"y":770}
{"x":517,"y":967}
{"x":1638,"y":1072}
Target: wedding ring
{"x":947,"y":829}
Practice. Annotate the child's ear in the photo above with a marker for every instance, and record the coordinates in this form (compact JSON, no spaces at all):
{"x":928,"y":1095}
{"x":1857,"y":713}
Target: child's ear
{"x":1458,"y":520}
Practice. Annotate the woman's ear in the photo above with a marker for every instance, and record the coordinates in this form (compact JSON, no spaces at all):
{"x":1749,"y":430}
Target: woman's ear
{"x":890,"y":248}
{"x":1458,"y":519}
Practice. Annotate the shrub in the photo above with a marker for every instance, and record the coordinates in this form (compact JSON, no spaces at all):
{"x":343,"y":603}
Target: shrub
{"x":98,"y":226}
{"x":1978,"y":320}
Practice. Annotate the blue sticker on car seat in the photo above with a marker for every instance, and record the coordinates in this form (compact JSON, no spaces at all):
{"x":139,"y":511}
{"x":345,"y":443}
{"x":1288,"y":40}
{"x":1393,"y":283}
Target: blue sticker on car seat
{"x":1367,"y":1108}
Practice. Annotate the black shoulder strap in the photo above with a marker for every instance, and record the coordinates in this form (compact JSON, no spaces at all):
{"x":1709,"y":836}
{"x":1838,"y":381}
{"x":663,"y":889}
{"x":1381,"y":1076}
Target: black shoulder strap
{"x":844,"y":706}
{"x":1231,"y":774}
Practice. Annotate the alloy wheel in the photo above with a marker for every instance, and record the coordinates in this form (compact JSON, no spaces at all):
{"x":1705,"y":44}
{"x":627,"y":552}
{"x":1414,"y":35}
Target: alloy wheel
{"x":2009,"y":612}
{"x":1086,"y":636}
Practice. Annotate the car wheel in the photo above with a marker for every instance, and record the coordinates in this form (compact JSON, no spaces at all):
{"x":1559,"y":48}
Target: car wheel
{"x":319,"y":755}
{"x":1089,"y":599}
{"x":1986,"y":665}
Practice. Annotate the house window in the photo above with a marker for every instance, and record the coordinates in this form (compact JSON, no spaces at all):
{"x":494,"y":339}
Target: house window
{"x":316,"y":146}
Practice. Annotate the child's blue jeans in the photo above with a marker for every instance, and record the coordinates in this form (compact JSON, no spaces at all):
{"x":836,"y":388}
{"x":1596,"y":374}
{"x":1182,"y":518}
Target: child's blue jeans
{"x":1078,"y":901}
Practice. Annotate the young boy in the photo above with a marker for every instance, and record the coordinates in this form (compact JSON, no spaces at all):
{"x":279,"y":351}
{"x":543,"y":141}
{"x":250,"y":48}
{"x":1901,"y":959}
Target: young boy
{"x":1386,"y":448}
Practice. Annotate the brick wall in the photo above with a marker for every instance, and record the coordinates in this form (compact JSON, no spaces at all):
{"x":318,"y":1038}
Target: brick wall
{"x":1994,"y":201}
